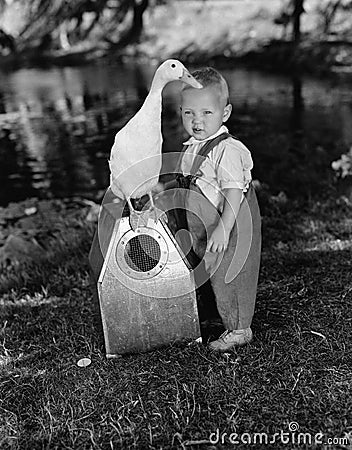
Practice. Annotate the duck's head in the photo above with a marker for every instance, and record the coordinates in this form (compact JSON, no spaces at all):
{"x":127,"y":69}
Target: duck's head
{"x":172,"y":70}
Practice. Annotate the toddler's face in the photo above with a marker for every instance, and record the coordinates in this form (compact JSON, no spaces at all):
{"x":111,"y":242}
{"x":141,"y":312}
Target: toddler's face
{"x":203,"y":111}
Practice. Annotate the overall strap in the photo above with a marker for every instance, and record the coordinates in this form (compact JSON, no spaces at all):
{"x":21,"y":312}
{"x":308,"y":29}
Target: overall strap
{"x":184,"y":182}
{"x":204,"y":152}
{"x":198,"y":160}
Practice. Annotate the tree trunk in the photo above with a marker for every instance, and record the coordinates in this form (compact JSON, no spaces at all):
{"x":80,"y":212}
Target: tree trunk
{"x":137,"y":25}
{"x":297,"y":12}
{"x":7,"y":42}
{"x":63,"y":37}
{"x":135,"y":31}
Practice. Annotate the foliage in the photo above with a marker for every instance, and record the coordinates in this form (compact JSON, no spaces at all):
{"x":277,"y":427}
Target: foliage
{"x":328,"y":10}
{"x":62,"y":24}
{"x":177,"y":28}
{"x":344,"y":165}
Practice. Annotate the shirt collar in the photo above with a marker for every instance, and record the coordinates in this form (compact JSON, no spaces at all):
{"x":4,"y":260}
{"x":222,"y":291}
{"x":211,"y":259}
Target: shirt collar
{"x":193,"y":140}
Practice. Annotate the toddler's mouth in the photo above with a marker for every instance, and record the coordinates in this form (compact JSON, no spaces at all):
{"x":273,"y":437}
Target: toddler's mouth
{"x":197,"y":130}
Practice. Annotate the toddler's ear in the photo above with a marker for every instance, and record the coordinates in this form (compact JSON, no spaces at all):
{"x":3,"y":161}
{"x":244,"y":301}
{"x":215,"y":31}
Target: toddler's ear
{"x":227,"y":112}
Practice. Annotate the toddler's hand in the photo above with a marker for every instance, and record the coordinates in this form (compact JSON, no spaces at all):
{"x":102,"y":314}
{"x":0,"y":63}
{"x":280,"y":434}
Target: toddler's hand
{"x":219,"y":240}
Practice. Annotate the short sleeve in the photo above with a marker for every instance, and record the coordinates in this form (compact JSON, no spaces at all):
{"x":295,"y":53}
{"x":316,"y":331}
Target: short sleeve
{"x":234,"y":163}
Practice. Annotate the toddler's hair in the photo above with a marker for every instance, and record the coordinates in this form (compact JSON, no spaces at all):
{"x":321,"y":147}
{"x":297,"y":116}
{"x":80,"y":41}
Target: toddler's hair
{"x":208,"y":76}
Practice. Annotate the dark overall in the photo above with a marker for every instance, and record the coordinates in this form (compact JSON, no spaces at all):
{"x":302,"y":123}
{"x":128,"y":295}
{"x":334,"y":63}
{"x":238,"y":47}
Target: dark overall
{"x":233,"y":273}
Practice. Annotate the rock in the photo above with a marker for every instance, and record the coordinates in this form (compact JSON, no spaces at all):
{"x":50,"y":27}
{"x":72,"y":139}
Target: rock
{"x":17,"y":249}
{"x":30,"y":211}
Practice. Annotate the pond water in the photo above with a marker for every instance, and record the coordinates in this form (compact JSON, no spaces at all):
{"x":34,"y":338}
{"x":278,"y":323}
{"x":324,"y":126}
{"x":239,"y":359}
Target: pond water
{"x":57,"y":126}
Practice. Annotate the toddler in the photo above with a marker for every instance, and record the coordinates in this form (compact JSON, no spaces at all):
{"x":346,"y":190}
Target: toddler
{"x":221,"y":209}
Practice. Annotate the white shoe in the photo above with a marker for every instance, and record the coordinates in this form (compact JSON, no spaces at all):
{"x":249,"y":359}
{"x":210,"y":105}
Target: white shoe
{"x":230,"y":339}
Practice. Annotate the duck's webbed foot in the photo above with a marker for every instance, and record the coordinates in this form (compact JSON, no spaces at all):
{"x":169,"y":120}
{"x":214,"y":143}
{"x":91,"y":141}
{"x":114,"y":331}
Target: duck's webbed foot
{"x":156,"y":213}
{"x":130,"y":204}
{"x":152,"y":207}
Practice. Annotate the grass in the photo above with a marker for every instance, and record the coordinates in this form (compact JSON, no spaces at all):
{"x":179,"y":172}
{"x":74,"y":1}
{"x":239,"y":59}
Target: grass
{"x":296,"y":370}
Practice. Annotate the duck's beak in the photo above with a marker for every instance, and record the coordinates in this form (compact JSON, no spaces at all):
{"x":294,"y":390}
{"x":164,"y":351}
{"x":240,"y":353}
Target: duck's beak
{"x":187,"y":78}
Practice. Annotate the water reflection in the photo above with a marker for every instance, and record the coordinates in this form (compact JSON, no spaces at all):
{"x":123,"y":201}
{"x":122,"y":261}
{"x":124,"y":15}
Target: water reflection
{"x":57,"y":127}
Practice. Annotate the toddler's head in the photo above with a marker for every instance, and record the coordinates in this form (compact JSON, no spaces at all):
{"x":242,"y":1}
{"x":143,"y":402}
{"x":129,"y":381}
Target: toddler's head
{"x":205,"y":110}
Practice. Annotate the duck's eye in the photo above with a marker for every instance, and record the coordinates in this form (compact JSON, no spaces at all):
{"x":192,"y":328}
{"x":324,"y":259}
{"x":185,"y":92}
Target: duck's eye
{"x":173,"y":65}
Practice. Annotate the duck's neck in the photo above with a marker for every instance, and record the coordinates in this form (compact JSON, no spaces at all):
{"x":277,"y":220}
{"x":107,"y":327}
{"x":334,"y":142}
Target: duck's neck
{"x":157,"y":85}
{"x":154,"y":97}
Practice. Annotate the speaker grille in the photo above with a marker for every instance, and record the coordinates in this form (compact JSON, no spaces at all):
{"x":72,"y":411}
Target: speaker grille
{"x":142,"y":253}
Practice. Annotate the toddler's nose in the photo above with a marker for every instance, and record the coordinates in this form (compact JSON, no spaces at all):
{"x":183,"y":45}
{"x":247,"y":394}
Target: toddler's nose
{"x":196,"y":121}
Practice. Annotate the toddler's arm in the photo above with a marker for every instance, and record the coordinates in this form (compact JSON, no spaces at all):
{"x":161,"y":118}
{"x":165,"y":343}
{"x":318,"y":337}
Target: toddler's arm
{"x":219,"y":239}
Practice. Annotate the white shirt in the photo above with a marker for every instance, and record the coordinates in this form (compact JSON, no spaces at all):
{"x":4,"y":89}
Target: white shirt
{"x":228,"y":165}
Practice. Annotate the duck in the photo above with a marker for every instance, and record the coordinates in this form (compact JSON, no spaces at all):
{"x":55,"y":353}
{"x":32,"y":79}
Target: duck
{"x":135,"y":158}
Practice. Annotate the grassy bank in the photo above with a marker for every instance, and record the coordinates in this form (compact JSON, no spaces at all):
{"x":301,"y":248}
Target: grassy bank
{"x":296,"y":370}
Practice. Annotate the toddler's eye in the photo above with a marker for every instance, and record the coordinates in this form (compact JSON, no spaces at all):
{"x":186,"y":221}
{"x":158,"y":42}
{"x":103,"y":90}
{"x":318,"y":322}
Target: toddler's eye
{"x":208,"y":112}
{"x":187,"y":113}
